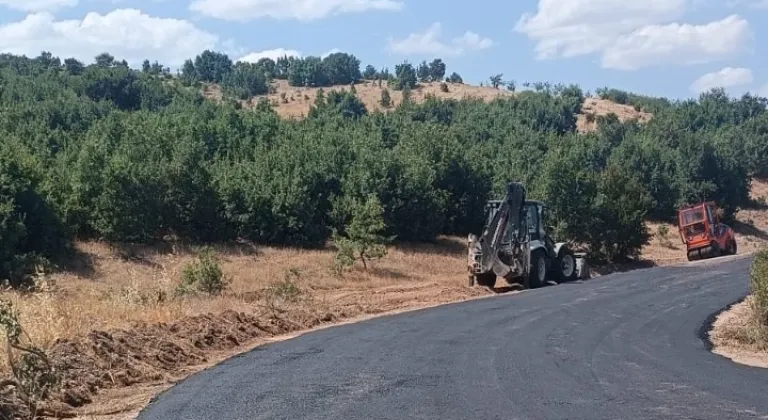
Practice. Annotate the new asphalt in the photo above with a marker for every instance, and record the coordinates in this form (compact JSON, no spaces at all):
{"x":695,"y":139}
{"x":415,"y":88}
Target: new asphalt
{"x":623,"y":346}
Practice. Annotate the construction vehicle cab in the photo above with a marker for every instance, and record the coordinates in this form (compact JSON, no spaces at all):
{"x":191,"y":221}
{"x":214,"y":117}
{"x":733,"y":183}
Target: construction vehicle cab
{"x":704,"y":235}
{"x":517,"y":246}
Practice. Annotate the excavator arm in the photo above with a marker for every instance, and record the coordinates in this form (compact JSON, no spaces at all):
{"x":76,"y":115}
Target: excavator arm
{"x":501,"y":249}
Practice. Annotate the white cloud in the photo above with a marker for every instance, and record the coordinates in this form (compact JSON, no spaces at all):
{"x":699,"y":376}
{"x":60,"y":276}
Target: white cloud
{"x":37,"y":5}
{"x":429,"y":42}
{"x":125,"y":33}
{"x":329,"y":52}
{"x":276,"y":53}
{"x":753,"y":4}
{"x":678,"y":44}
{"x":302,"y":10}
{"x":629,"y":35}
{"x":726,"y":77}
{"x":273,"y":54}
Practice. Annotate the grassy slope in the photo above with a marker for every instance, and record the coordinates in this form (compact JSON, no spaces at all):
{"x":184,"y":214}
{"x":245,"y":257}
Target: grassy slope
{"x":294,"y":102}
{"x":154,"y":339}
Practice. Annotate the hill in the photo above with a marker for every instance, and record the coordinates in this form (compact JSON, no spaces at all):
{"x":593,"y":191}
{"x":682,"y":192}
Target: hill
{"x":295,"y":102}
{"x":148,"y":231}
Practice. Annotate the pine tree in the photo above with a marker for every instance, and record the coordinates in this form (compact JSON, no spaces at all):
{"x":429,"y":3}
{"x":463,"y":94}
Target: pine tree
{"x":363,"y":239}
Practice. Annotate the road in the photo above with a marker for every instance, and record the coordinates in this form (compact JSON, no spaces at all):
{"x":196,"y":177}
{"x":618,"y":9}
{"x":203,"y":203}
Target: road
{"x":624,"y":346}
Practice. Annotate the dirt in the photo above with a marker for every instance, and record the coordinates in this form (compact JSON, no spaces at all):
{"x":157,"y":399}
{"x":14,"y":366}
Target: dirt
{"x":594,"y":107}
{"x":117,"y":337}
{"x":112,"y":372}
{"x":294,"y":102}
{"x":737,"y":336}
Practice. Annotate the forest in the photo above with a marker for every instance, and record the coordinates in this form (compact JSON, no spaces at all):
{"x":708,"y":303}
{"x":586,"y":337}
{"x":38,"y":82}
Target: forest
{"x":106,"y":152}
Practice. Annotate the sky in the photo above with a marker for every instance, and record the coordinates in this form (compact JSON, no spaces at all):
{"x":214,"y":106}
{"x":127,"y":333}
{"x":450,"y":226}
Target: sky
{"x":671,"y":48}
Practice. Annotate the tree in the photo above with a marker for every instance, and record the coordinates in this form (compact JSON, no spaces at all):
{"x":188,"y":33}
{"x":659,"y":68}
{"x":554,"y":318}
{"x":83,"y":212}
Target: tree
{"x":341,"y":69}
{"x":188,"y":73}
{"x":405,"y":76}
{"x":370,"y":73}
{"x":105,"y":60}
{"x":363,"y":239}
{"x":268,"y":66}
{"x":73,"y":66}
{"x":212,"y":66}
{"x":423,"y":72}
{"x":386,"y":99}
{"x":496,"y":80}
{"x":455,"y":78}
{"x":437,"y":70}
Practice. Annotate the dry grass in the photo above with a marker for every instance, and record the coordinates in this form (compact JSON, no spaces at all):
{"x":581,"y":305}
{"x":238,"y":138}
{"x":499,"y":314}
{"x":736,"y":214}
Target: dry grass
{"x":121,"y":291}
{"x":751,"y":229}
{"x":294,"y":102}
{"x":739,"y":336}
{"x":132,"y":289}
{"x":594,"y":107}
{"x":129,"y":295}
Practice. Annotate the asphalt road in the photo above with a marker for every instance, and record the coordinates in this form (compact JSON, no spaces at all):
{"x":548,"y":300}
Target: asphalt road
{"x":625,"y":346}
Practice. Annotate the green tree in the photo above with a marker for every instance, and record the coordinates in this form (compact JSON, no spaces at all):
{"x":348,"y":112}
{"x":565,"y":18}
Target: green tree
{"x":363,"y":239}
{"x":386,"y":99}
{"x":370,"y":73}
{"x":405,"y":76}
{"x":437,"y":70}
{"x":423,"y":72}
{"x":455,"y":78}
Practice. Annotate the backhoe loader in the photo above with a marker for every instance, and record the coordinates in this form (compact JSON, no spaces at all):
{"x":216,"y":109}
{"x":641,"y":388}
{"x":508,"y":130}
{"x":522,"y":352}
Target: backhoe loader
{"x":516,"y":245}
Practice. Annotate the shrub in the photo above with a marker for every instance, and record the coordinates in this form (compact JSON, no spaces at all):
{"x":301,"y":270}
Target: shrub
{"x":363,"y":239}
{"x":34,"y":375}
{"x":204,"y":274}
{"x":759,"y":279}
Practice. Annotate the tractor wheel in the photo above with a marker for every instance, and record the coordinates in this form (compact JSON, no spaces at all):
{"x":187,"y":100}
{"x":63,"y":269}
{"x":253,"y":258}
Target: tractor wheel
{"x":538,"y":269}
{"x":731,"y":247}
{"x":486,"y":280}
{"x":565,"y":265}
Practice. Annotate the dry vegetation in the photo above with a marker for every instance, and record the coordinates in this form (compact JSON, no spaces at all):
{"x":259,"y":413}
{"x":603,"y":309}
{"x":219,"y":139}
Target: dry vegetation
{"x":751,"y":229}
{"x":294,"y":102}
{"x":741,"y":332}
{"x":116,"y":323}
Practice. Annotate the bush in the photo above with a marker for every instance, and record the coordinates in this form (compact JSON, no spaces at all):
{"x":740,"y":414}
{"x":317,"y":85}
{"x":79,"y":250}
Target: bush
{"x":203,"y":274}
{"x":759,"y":279}
{"x":363,"y":239}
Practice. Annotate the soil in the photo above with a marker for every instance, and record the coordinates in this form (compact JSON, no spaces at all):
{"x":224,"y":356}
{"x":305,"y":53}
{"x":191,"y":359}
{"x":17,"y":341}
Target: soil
{"x":98,"y":370}
{"x":736,"y":336}
{"x":294,"y":102}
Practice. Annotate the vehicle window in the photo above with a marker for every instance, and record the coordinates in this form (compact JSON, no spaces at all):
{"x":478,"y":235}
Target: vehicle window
{"x":712,"y":214}
{"x":692,"y":216}
{"x":532,"y":218}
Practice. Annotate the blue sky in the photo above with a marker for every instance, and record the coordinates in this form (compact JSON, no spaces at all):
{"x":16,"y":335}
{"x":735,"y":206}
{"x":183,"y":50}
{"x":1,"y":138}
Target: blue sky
{"x":672,"y":48}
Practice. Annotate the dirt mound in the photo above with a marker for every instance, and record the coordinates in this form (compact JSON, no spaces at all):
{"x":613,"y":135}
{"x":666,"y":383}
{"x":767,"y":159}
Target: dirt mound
{"x":146,"y":354}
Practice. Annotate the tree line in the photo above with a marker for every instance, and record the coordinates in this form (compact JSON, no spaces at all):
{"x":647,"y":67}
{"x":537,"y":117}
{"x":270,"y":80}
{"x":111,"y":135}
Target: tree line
{"x":102,"y":151}
{"x":244,"y":80}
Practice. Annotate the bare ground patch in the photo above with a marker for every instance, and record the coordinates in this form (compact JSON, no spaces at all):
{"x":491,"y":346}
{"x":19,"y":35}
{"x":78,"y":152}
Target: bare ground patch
{"x":294,"y":102}
{"x":115,"y":330}
{"x":737,"y":335}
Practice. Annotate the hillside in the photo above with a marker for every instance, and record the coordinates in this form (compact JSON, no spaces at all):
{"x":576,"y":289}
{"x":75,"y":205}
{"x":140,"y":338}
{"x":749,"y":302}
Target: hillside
{"x":148,"y":232}
{"x":295,"y":102}
{"x":120,"y":298}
